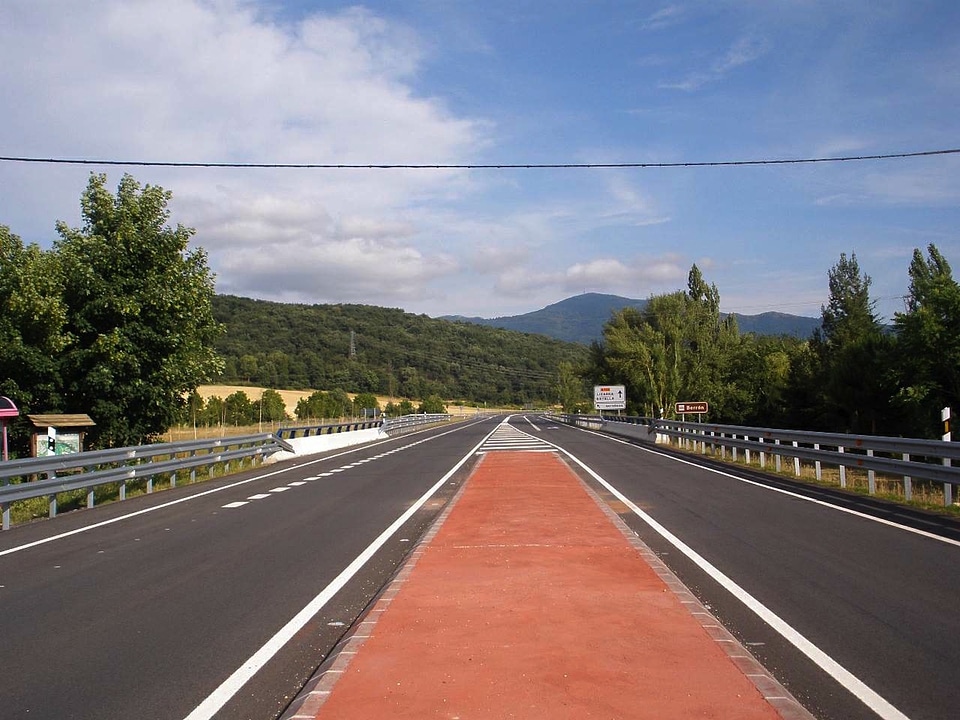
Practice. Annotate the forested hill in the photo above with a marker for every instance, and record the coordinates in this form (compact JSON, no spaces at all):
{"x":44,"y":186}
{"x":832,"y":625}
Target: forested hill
{"x":581,"y":318}
{"x":393,"y":352}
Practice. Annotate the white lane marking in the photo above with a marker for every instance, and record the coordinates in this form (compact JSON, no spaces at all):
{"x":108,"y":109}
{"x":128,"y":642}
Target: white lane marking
{"x":531,"y":424}
{"x":238,"y":503}
{"x":789,"y":493}
{"x":239,"y":483}
{"x":297,"y":483}
{"x":229,"y":687}
{"x":851,"y":682}
{"x":282,"y":488}
{"x":844,"y":677}
{"x":259,"y":496}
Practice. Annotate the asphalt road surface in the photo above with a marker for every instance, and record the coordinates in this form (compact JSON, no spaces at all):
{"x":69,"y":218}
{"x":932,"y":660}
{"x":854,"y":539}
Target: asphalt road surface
{"x":155,"y":607}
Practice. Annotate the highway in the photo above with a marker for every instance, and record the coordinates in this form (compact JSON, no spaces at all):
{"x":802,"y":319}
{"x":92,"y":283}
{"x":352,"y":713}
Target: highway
{"x":221,"y":599}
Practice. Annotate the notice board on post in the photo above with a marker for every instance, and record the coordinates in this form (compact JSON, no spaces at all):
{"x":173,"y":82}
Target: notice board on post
{"x":609,"y":397}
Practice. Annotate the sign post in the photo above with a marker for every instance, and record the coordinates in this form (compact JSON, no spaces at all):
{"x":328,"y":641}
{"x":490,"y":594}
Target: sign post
{"x":692,"y":408}
{"x":609,"y":397}
{"x":7,"y":410}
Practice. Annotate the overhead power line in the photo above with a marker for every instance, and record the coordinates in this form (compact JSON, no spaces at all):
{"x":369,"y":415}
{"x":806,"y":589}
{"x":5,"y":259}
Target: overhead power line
{"x":489,"y":166}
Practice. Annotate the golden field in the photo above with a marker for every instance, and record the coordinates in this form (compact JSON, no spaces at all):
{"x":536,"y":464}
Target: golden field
{"x":292,"y":397}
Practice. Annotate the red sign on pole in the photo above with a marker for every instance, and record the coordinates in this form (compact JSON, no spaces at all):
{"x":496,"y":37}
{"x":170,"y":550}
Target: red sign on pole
{"x":691,"y":408}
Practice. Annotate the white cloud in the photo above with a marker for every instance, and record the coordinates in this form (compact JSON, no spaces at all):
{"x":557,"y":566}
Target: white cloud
{"x":663,"y":18}
{"x":632,"y":276}
{"x":928,"y":184}
{"x":315,"y":270}
{"x":188,"y":80}
{"x":743,"y":51}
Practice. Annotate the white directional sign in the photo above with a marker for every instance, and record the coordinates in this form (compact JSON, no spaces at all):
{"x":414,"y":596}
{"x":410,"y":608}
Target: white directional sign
{"x":609,"y":397}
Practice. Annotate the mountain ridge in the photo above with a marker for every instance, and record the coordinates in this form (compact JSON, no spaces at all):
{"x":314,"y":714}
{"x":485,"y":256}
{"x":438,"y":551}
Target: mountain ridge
{"x":580,"y":319}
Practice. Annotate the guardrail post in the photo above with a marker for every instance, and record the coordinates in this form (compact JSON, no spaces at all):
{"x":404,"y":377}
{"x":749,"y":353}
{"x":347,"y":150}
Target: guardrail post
{"x":947,"y":487}
{"x":746,"y":451}
{"x":150,"y":485}
{"x":907,"y":481}
{"x":843,"y":469}
{"x":871,"y":477}
{"x":5,"y":507}
{"x":763,"y":456}
{"x":90,"y":500}
{"x":777,"y":456}
{"x":123,"y":489}
{"x":53,"y":506}
{"x":796,"y":462}
{"x":816,"y":464}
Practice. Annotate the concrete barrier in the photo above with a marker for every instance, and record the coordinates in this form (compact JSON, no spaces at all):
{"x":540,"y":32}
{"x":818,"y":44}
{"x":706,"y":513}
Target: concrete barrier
{"x":322,"y":443}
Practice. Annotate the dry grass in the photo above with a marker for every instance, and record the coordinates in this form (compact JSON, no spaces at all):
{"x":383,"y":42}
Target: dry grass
{"x":926,"y":494}
{"x":292,"y":397}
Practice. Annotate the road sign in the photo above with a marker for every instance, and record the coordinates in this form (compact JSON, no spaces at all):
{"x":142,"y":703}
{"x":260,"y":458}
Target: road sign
{"x":691,"y":408}
{"x":609,"y":397}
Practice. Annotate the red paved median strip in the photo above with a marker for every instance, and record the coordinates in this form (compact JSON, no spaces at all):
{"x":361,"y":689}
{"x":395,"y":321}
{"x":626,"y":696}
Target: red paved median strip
{"x":530,"y":603}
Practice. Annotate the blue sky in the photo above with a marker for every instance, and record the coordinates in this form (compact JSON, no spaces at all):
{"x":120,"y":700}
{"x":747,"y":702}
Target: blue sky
{"x":490,"y":82}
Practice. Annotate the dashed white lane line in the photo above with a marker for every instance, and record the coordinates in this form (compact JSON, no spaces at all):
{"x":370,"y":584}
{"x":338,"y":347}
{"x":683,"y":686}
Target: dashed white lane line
{"x":304,"y":481}
{"x":231,"y":686}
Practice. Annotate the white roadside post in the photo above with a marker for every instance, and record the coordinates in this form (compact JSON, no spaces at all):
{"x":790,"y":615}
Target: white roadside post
{"x":947,"y":487}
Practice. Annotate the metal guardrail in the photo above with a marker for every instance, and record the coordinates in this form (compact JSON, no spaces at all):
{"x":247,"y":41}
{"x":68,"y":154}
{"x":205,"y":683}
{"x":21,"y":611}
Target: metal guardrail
{"x":298,"y":431}
{"x":89,"y":470}
{"x":405,"y":423}
{"x":905,"y":458}
{"x":397,"y":424}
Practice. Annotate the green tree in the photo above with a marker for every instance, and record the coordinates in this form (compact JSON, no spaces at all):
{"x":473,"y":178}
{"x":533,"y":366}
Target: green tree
{"x":341,"y":405}
{"x":139,"y":306}
{"x":32,"y":332}
{"x":238,"y":409}
{"x":365,"y":404}
{"x":214,"y":411}
{"x":849,"y":314}
{"x":856,"y":355}
{"x":270,"y":407}
{"x":928,"y":334}
{"x":432,"y":405}
{"x":571,"y":392}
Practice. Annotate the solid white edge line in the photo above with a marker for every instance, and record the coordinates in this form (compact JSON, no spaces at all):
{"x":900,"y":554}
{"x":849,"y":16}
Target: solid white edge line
{"x":789,"y":493}
{"x":844,"y":677}
{"x":161,"y":506}
{"x":229,"y":687}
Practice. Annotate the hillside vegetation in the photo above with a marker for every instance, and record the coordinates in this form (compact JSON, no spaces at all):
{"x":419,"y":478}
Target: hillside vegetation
{"x":393,"y":353}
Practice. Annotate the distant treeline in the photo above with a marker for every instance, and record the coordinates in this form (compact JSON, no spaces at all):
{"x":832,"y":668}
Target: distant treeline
{"x":362,"y":348}
{"x":239,"y":409}
{"x":854,"y":375}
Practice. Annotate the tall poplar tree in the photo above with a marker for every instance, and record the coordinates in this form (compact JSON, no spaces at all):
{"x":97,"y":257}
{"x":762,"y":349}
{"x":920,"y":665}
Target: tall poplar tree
{"x":928,"y":334}
{"x":855,"y":353}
